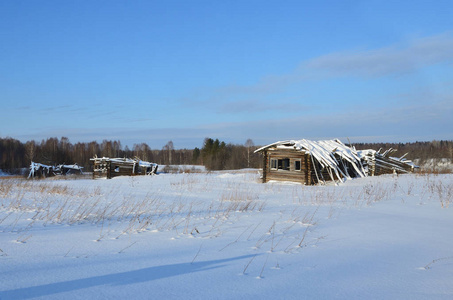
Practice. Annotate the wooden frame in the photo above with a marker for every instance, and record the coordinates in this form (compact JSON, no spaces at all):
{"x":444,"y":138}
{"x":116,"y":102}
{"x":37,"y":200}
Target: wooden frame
{"x":281,"y":165}
{"x":311,"y":162}
{"x":113,"y":167}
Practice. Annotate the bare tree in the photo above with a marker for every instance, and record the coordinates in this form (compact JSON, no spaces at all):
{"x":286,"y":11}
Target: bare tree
{"x":30,"y":148}
{"x":249,"y":144}
{"x":169,"y":148}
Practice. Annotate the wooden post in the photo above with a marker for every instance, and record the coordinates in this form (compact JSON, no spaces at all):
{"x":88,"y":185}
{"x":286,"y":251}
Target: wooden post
{"x":265,"y":160}
{"x":108,"y":166}
{"x":307,"y":169}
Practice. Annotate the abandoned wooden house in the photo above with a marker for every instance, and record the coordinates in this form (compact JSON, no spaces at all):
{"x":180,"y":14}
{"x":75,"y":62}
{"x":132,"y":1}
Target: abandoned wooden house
{"x":112,"y":167}
{"x":310,"y":162}
{"x":378,"y":163}
{"x":41,"y":170}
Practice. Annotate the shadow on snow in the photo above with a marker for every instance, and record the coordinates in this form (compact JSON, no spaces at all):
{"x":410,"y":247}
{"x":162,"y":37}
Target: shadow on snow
{"x":123,"y":278}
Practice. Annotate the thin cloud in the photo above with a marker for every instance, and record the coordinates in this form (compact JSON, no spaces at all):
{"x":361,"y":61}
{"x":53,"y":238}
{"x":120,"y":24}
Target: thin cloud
{"x":421,"y":114}
{"x":52,"y":110}
{"x":390,"y":60}
{"x":396,"y":123}
{"x":395,"y":59}
{"x":258,"y":106}
{"x":399,"y":123}
{"x":22,"y":108}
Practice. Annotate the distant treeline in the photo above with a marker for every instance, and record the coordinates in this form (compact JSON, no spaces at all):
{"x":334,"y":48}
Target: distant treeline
{"x":215,"y":155}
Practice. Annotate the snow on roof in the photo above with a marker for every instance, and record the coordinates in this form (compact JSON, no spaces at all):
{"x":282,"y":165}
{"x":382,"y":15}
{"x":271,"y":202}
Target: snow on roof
{"x":73,"y":167}
{"x":117,"y":159}
{"x":146,"y":164}
{"x":55,"y":170}
{"x":324,"y":152}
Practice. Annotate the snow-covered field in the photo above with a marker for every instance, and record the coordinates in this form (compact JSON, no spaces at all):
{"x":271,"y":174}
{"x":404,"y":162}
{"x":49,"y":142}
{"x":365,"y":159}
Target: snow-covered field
{"x":224,"y":235}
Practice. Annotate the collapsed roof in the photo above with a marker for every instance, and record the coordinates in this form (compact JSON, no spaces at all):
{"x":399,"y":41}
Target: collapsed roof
{"x":343,"y":162}
{"x":111,"y":167}
{"x":380,"y":163}
{"x":330,"y":154}
{"x":38,"y":169}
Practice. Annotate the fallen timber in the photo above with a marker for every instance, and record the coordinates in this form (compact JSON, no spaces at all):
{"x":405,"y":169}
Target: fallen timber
{"x":112,"y":167}
{"x":42,"y":170}
{"x":381,"y":163}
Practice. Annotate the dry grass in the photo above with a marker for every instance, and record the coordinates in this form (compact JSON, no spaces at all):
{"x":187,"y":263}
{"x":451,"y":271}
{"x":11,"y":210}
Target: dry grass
{"x":27,"y":203}
{"x":182,"y":208}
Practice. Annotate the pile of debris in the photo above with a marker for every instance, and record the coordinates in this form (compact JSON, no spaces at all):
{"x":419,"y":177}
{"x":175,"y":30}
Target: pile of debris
{"x":41,"y":170}
{"x":378,"y":163}
{"x":111,"y":167}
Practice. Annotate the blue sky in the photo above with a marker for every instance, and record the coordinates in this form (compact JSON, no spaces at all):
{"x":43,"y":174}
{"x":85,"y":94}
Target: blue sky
{"x":154,"y":71}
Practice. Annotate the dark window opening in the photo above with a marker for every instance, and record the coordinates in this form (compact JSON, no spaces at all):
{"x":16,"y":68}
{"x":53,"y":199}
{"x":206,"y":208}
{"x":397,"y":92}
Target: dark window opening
{"x":274,"y":164}
{"x":283,"y":164}
{"x":297,"y":165}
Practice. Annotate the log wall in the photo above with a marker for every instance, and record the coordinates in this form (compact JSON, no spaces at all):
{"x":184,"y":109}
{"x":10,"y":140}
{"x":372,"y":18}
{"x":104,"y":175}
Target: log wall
{"x":303,"y":176}
{"x":121,"y":169}
{"x":109,"y":169}
{"x":379,"y":165}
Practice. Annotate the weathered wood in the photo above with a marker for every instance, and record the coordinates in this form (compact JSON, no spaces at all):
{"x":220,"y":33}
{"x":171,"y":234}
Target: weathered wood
{"x":326,"y":161}
{"x":316,"y":161}
{"x":265,"y":166}
{"x":285,"y":175}
{"x":378,"y":164}
{"x":307,"y":175}
{"x":113,"y":167}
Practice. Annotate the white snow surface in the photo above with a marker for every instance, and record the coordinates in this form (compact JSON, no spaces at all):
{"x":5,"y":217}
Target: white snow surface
{"x":225,"y":235}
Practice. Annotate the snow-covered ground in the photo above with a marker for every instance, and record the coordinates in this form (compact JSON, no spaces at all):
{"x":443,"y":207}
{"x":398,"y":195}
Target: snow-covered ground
{"x":224,"y":235}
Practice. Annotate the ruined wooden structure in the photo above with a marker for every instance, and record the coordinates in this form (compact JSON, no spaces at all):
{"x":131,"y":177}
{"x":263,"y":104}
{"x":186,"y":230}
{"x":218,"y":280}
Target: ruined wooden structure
{"x":313,"y":162}
{"x":378,"y":163}
{"x":112,"y":167}
{"x":41,"y":170}
{"x":310,"y":162}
